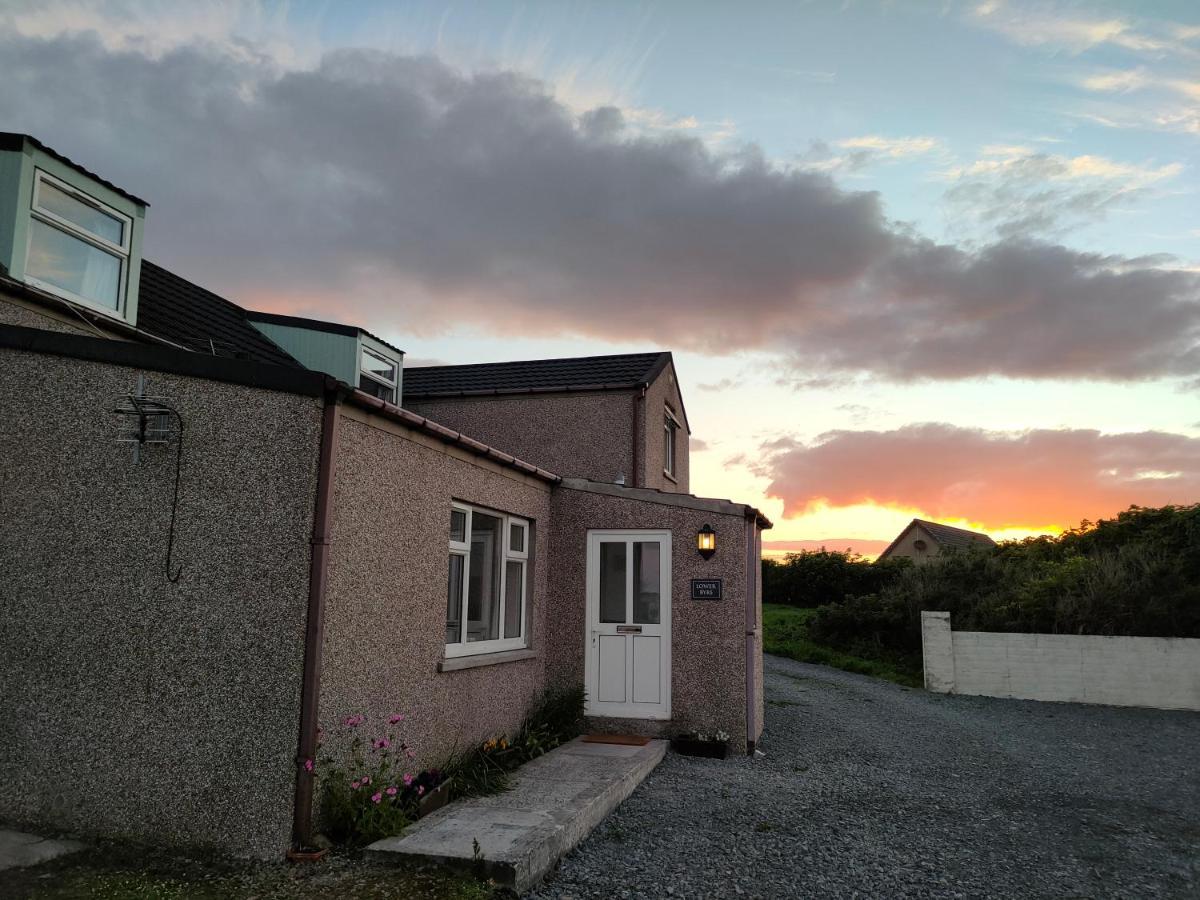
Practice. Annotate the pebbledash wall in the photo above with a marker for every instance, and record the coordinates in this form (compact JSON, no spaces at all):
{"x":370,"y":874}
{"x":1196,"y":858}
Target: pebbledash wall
{"x":622,"y":430}
{"x":1163,"y":673}
{"x":131,"y":705}
{"x":544,"y":429}
{"x":708,"y":638}
{"x":385,"y":603}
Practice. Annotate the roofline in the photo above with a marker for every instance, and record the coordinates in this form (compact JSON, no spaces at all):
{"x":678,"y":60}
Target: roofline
{"x":255,"y":315}
{"x":668,"y":498}
{"x":980,"y":534}
{"x":426,"y":425}
{"x":158,"y":358}
{"x":15,"y":140}
{"x":921,"y":523}
{"x":664,"y":358}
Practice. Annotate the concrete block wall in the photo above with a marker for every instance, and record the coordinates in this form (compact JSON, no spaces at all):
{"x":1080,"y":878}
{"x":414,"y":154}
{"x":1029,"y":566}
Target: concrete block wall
{"x":1163,"y":673}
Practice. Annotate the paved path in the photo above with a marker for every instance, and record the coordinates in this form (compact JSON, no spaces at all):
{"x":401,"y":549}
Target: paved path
{"x":19,"y":849}
{"x":870,"y":789}
{"x":516,"y":836}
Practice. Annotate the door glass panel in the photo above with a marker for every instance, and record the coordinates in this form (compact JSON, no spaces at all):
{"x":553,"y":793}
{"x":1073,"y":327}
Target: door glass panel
{"x":647,"y":582}
{"x":612,"y":581}
{"x":514,"y":594}
{"x":483,"y":585}
{"x":454,"y":600}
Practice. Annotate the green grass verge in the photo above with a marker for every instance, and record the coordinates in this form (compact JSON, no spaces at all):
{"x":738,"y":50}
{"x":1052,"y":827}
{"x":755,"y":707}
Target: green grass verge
{"x":785,"y":633}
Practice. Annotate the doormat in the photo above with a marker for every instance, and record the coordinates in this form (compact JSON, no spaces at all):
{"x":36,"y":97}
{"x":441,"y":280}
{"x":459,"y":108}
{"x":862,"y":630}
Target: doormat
{"x":629,"y":740}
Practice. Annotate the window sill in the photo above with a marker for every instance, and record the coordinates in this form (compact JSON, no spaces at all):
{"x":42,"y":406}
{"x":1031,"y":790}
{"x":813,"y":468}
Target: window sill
{"x":457,"y":663}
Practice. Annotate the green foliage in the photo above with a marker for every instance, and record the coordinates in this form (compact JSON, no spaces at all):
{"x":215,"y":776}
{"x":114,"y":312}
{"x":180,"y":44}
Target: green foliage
{"x":373,"y":797}
{"x":1137,"y":574}
{"x":786,"y":633}
{"x":813,"y":578}
{"x":556,"y":718}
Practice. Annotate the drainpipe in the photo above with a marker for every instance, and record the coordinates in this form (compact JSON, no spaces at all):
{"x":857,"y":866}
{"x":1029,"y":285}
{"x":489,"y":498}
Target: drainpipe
{"x":302,"y":822}
{"x":751,"y":628}
{"x":639,"y":419}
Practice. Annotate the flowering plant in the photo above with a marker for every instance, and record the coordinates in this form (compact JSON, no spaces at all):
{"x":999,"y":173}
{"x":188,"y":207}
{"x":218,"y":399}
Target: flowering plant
{"x":377,"y":795}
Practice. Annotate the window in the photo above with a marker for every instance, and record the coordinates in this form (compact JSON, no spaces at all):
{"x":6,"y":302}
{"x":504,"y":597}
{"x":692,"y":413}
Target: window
{"x":78,"y":247}
{"x":670,"y":439}
{"x":487,"y":581}
{"x":377,"y":375}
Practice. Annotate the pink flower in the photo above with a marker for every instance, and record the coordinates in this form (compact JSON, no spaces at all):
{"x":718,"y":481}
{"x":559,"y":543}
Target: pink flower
{"x":420,"y":789}
{"x":408,"y":780}
{"x":396,"y":719}
{"x":366,"y":779}
{"x":391,"y":792}
{"x":308,"y":766}
{"x":353,"y":721}
{"x":376,"y":797}
{"x":354,"y":785}
{"x":381,"y":743}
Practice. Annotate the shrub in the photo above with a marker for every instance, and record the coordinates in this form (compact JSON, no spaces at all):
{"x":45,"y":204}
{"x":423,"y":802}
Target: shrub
{"x":375,"y":796}
{"x":817,"y":577}
{"x":556,"y":718}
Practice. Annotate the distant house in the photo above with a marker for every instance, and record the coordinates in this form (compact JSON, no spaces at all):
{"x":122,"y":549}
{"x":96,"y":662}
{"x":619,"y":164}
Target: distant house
{"x":922,"y":540}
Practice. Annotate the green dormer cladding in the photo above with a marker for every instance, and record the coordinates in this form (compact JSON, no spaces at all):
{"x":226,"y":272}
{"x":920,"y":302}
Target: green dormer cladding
{"x":347,"y":353}
{"x":66,"y":231}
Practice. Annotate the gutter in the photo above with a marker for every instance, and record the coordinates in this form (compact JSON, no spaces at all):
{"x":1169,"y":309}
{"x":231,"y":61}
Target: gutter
{"x":751,"y":629}
{"x":314,"y":634}
{"x":639,"y":423}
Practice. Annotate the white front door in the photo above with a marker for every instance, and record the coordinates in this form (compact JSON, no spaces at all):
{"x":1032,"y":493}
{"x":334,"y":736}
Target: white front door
{"x":629,"y":624}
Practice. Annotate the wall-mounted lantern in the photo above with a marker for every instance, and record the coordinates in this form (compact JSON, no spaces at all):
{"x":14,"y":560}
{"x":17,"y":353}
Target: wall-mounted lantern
{"x":706,"y":541}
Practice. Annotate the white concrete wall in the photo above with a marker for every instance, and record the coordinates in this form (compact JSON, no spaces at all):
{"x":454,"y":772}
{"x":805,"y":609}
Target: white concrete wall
{"x":1119,"y":671}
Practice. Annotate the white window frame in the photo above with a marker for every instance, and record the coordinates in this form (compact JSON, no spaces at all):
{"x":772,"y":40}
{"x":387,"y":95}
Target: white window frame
{"x":395,"y":364}
{"x":671,"y":428}
{"x":463,"y":548}
{"x":121,"y":251}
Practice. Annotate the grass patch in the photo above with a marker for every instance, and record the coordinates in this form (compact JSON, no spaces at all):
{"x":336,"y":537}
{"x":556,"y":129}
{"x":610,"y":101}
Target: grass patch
{"x":785,"y":633}
{"x":114,"y":871}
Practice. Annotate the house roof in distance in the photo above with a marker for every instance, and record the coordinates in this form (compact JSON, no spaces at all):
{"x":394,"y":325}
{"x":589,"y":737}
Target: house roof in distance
{"x":187,"y":314}
{"x":581,"y":373}
{"x":946,"y":536}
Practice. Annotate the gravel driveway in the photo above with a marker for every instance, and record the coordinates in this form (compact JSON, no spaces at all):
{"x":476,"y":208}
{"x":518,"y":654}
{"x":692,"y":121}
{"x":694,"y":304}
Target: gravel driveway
{"x":871,"y":789}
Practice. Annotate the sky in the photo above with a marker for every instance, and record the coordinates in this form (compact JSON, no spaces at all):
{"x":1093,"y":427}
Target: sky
{"x":936,"y":259}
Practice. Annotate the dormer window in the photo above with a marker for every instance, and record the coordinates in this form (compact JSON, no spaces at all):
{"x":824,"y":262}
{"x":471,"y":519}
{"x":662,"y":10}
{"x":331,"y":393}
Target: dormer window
{"x":78,"y":247}
{"x":378,"y":375}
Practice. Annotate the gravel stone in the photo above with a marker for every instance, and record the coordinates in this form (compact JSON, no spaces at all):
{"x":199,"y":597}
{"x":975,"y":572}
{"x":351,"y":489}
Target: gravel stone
{"x":872,"y":789}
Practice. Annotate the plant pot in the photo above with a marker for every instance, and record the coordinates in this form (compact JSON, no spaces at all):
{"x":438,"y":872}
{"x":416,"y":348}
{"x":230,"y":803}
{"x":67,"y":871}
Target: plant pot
{"x":690,"y":746}
{"x":434,"y":800}
{"x":307,"y":854}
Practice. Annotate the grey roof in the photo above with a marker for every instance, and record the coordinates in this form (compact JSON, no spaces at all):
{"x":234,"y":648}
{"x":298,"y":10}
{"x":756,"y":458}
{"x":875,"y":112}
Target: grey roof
{"x":949,"y":536}
{"x":581,"y":373}
{"x":186,"y":314}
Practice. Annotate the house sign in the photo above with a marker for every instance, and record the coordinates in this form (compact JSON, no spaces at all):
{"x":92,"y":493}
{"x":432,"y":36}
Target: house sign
{"x":706,"y":588}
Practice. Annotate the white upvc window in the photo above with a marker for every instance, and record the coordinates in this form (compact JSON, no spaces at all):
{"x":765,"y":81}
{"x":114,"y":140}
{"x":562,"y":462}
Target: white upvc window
{"x":670,"y":440}
{"x":78,"y":247}
{"x":487,"y":587}
{"x":378,"y":375}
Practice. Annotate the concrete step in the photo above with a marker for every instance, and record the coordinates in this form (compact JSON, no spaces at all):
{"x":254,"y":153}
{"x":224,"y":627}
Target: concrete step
{"x":517,"y":836}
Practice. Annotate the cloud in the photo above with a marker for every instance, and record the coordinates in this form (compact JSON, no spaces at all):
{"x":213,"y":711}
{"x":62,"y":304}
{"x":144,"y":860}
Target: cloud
{"x":1035,"y":478}
{"x":1037,"y":25}
{"x":862,"y":546}
{"x":725,"y":384}
{"x":1017,"y":191}
{"x":409,"y":195}
{"x":893,"y":147}
{"x":863,"y":151}
{"x":697,"y":445}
